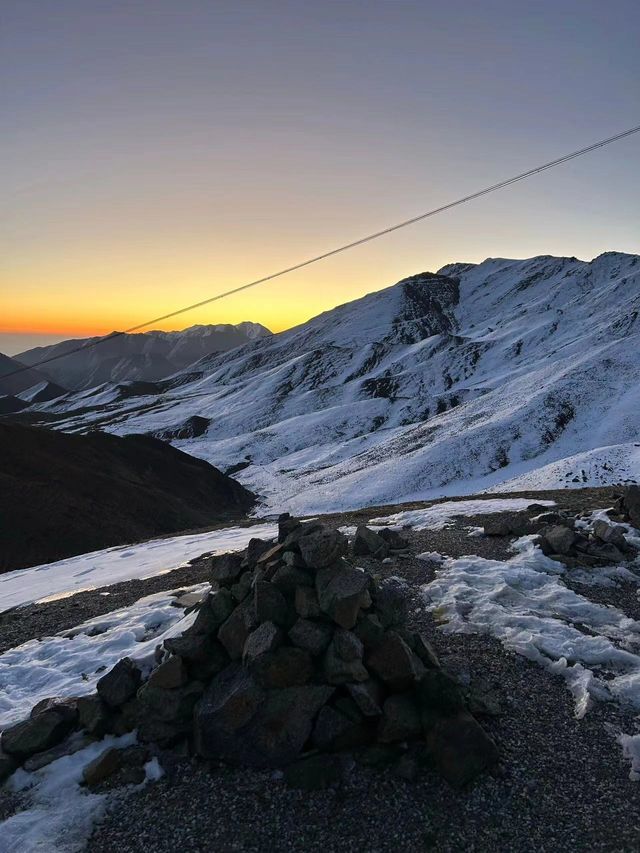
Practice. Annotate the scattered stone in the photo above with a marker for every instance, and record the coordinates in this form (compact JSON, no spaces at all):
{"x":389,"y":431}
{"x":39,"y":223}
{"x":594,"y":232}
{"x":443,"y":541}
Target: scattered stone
{"x":507,"y":524}
{"x":120,"y":683}
{"x":558,"y":540}
{"x":395,"y":540}
{"x":368,"y":543}
{"x":460,"y":748}
{"x":611,"y":534}
{"x":105,"y":765}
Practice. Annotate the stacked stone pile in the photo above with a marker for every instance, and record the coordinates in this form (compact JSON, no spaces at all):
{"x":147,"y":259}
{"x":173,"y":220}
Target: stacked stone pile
{"x":295,"y":654}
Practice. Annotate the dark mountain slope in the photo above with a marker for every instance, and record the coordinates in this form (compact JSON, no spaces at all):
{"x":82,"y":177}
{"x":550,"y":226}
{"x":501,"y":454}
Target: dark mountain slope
{"x":67,"y":494}
{"x":13,"y":384}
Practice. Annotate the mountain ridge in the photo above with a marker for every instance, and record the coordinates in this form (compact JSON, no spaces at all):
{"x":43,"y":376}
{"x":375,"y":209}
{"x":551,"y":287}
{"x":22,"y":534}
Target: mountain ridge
{"x":443,"y":383}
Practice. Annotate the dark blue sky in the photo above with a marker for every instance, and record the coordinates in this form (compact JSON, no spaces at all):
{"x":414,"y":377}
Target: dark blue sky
{"x":157,"y":152}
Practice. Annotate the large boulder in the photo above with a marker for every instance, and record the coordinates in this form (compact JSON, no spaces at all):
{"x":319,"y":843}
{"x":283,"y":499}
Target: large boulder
{"x":46,"y":727}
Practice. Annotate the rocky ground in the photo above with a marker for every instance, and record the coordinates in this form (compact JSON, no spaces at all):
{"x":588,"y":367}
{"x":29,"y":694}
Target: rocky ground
{"x":561,"y":782}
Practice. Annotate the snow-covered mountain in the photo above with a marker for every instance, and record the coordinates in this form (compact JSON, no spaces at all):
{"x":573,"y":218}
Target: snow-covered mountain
{"x":516,"y":372}
{"x":141,"y":357}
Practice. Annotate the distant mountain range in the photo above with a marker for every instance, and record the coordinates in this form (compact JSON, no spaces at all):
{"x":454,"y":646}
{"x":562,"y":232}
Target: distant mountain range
{"x":144,"y":357}
{"x":504,"y":374}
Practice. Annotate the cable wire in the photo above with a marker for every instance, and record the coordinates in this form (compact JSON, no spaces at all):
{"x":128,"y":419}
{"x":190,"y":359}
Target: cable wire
{"x":414,"y":219}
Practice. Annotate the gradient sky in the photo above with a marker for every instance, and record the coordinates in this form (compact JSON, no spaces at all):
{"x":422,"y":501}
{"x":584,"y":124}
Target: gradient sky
{"x":154,"y":153}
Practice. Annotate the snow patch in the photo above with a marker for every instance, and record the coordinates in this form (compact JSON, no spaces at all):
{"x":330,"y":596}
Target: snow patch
{"x":441,"y":515}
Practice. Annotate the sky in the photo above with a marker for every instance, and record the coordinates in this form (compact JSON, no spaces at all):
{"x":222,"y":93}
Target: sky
{"x":154,"y":153}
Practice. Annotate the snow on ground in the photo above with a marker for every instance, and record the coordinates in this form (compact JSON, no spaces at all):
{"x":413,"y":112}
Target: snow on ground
{"x":59,"y":814}
{"x":441,"y":515}
{"x":70,"y":663}
{"x":102,"y":568}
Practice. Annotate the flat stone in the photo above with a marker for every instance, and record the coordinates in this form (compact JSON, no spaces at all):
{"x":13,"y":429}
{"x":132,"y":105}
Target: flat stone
{"x":188,"y":599}
{"x":285,"y":667}
{"x":273,"y":554}
{"x":322,"y":547}
{"x":400,"y":719}
{"x":312,"y":636}
{"x":105,"y":765}
{"x":120,"y":683}
{"x":266,"y":638}
{"x":368,"y":543}
{"x":172,"y":673}
{"x":394,"y":662}
{"x":269,"y":603}
{"x":460,"y":748}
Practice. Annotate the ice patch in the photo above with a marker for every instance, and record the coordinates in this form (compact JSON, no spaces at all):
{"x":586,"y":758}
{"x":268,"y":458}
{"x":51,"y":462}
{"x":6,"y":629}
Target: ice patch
{"x":71,"y":663}
{"x":103,"y":568}
{"x":438,"y":516}
{"x":431,"y":557}
{"x":524,"y":603}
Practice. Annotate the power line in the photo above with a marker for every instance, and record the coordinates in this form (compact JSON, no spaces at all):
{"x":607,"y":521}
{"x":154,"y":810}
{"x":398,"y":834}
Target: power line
{"x":535,"y":171}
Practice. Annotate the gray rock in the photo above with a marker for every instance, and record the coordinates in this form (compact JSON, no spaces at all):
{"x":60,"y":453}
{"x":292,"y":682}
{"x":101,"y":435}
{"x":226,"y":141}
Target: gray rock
{"x":312,"y":636}
{"x":306,"y":602}
{"x":286,"y":526}
{"x":423,"y":648}
{"x":198,"y":649}
{"x":65,"y":707}
{"x":368,"y":697}
{"x":314,"y":773}
{"x":120,"y":683}
{"x":460,"y":748}
{"x":233,"y":633}
{"x":400,"y":719}
{"x":339,"y":589}
{"x":322,"y":547}
{"x":241,"y":589}
{"x":226,"y":568}
{"x":369,"y":631}
{"x":437,"y":692}
{"x":392,"y":597}
{"x":40,"y":732}
{"x":285,"y":667}
{"x":558,"y":540}
{"x":266,"y":638}
{"x":226,"y":707}
{"x":255,"y":549}
{"x":172,"y":673}
{"x":105,"y":765}
{"x":288,"y":579}
{"x":72,"y":745}
{"x":269,"y":603}
{"x":165,"y":715}
{"x":611,"y":534}
{"x":395,"y":540}
{"x":347,"y":645}
{"x":394,"y":662}
{"x":507,"y":524}
{"x":631,"y":504}
{"x":339,"y":671}
{"x":93,"y":715}
{"x":369,"y":543}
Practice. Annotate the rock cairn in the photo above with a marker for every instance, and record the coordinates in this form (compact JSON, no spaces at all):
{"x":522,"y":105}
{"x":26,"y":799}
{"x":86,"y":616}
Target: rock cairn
{"x":295,"y":654}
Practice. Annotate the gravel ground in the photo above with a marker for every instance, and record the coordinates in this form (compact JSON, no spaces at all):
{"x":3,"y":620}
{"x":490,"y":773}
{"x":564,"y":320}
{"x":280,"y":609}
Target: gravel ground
{"x":562,"y":783}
